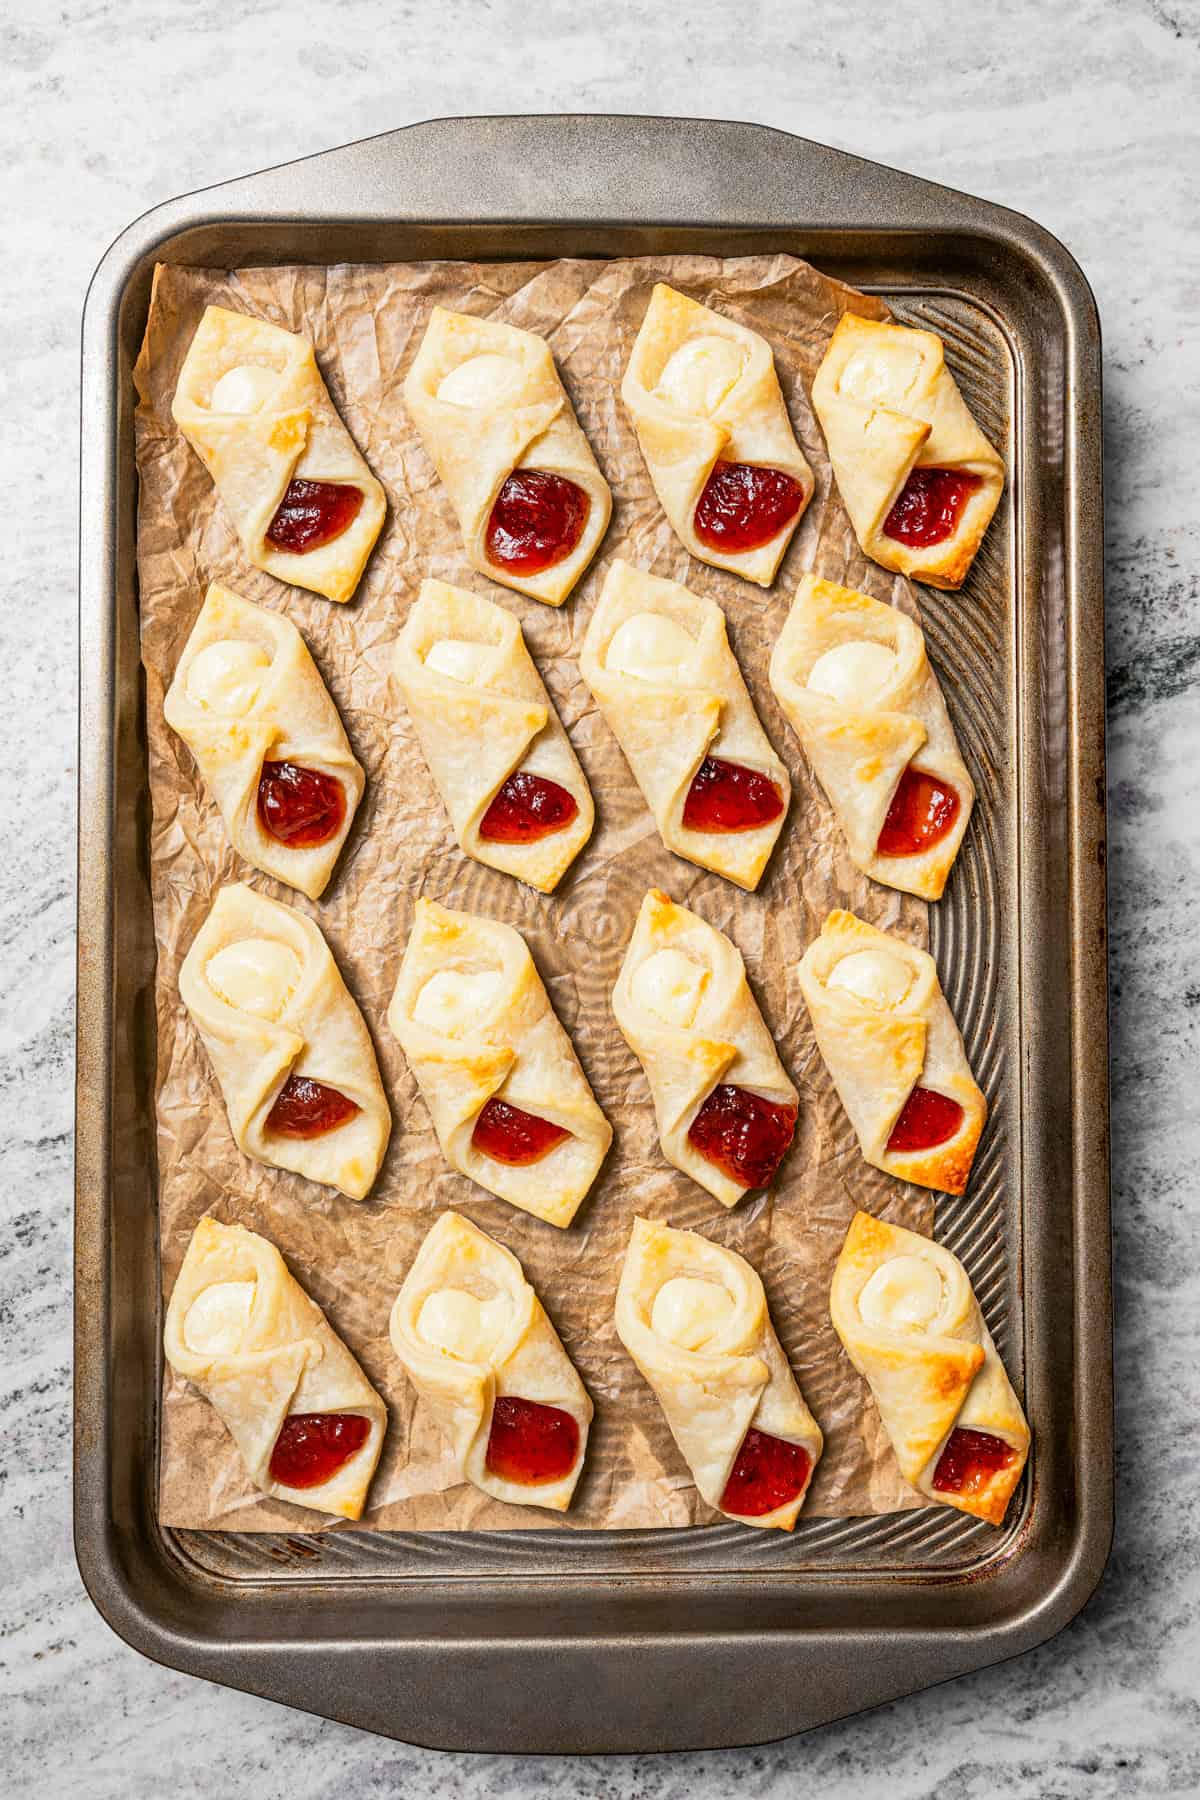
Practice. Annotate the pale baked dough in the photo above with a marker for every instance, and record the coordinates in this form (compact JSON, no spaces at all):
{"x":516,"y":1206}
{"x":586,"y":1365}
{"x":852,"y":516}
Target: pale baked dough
{"x":883,"y":1027}
{"x":475,"y":1023}
{"x":911,"y":1325}
{"x":888,"y":404}
{"x":481,"y":713}
{"x":853,"y":678}
{"x":685,"y":1009}
{"x":702,"y":389}
{"x":469,"y":1329}
{"x":242,"y":1330}
{"x":246,"y":691}
{"x":251,"y":402}
{"x":487,"y":399}
{"x":266,"y":997}
{"x":693,"y":1316}
{"x":657,"y":659}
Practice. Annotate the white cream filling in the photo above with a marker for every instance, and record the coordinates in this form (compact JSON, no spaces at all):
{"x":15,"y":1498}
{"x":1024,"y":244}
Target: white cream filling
{"x":244,"y":389}
{"x":701,"y":374}
{"x":877,"y":977}
{"x":689,"y":1312}
{"x":670,"y":985}
{"x":853,"y":674}
{"x":453,"y":1000}
{"x":216,"y":1321}
{"x":650,"y":647}
{"x":883,"y":375}
{"x":225,"y":677}
{"x":904,"y":1294}
{"x":485,"y":380}
{"x":462,"y":1325}
{"x":257,"y":975}
{"x":460,"y":660}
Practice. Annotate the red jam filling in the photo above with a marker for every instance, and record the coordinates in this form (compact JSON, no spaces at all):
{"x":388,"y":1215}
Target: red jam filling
{"x":928,"y":1119}
{"x":744,"y":506}
{"x":930,"y":506}
{"x":313,"y":1446}
{"x":744,"y":1135}
{"x":725,"y":796}
{"x":969,"y":1461}
{"x":508,"y":1135}
{"x":923,"y":810}
{"x":526,"y":808}
{"x":299,"y":807}
{"x":313,"y":513}
{"x":537,"y":521}
{"x":530,"y":1443}
{"x":308,"y":1109}
{"x":768,"y":1472}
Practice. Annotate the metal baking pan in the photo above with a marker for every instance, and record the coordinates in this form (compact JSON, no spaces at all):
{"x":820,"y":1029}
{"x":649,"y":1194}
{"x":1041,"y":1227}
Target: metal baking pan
{"x":543,"y":1641}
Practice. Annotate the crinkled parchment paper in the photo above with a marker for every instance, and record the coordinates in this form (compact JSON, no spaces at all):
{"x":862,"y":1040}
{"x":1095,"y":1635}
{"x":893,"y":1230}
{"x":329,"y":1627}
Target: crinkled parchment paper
{"x":366,"y":323}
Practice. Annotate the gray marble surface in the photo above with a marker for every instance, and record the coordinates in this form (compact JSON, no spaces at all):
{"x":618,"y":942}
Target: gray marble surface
{"x":1086,"y":116}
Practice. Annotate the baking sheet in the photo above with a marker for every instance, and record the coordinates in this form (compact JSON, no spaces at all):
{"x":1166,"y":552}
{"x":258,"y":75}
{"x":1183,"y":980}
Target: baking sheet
{"x":367,"y":322}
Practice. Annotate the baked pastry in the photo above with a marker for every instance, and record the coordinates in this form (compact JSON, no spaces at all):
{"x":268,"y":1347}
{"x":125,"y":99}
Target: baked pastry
{"x":726,"y":1110}
{"x":917,"y":476}
{"x":500,"y":759}
{"x":911,"y":1325}
{"x":500,"y":430}
{"x":251,"y":402}
{"x":895,"y":1054}
{"x":693,"y":1316}
{"x":288,"y":1045}
{"x":853,"y":678}
{"x":706,"y":404}
{"x":307,"y":1423}
{"x":657,"y":659}
{"x":249,"y":703}
{"x":476,"y":1344}
{"x":510,"y":1104}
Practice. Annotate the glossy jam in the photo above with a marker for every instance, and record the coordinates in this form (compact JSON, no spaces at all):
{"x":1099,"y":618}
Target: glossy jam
{"x":742,"y":1134}
{"x":313,"y":513}
{"x":508,"y":1135}
{"x":526,"y":808}
{"x":744,"y":506}
{"x":308,"y":1109}
{"x":299,"y":807}
{"x":726,"y":796}
{"x":768,"y":1473}
{"x":923,"y":810}
{"x":313,"y":1446}
{"x":537,"y":521}
{"x":928,"y":1119}
{"x":929,"y":507}
{"x":530,"y":1443}
{"x":969,"y":1461}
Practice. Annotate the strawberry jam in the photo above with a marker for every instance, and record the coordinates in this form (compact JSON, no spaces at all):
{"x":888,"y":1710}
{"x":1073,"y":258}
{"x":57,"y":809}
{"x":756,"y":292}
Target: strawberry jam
{"x":969,"y":1461}
{"x":313,"y":1446}
{"x":308,"y":1109}
{"x":530,"y":1443}
{"x":313,"y":513}
{"x":726,"y":796}
{"x":929,"y":507}
{"x":928,"y":1119}
{"x":537,"y":521}
{"x":923,"y":810}
{"x":526,"y":808}
{"x":768,"y":1473}
{"x":511,"y":1136}
{"x":299,"y":807}
{"x":742,"y":1134}
{"x":744,"y":506}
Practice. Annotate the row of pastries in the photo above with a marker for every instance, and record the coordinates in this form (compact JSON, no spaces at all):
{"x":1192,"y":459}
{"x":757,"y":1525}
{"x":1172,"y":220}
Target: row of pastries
{"x":510,"y":1104}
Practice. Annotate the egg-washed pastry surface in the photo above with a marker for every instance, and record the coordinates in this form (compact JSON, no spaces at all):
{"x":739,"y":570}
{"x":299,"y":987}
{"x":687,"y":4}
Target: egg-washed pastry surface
{"x":287,"y":1043}
{"x":894,"y":1052}
{"x":713,"y":427}
{"x":854,"y":679}
{"x":657,"y":659}
{"x":475,"y":1342}
{"x":307,"y":1423}
{"x":252,"y":404}
{"x":911,"y":1325}
{"x":500,"y":759}
{"x":917,"y":476}
{"x":502,"y":434}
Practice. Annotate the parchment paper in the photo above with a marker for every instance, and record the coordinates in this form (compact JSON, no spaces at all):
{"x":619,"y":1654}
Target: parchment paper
{"x":366,"y":323}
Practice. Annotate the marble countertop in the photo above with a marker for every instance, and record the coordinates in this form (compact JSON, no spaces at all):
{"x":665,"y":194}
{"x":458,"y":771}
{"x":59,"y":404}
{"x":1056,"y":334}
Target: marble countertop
{"x":1084,"y":115}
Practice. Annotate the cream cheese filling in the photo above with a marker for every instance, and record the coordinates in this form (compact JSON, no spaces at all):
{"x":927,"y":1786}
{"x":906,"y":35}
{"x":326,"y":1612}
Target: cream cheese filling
{"x":256,"y":975}
{"x":689,"y":1311}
